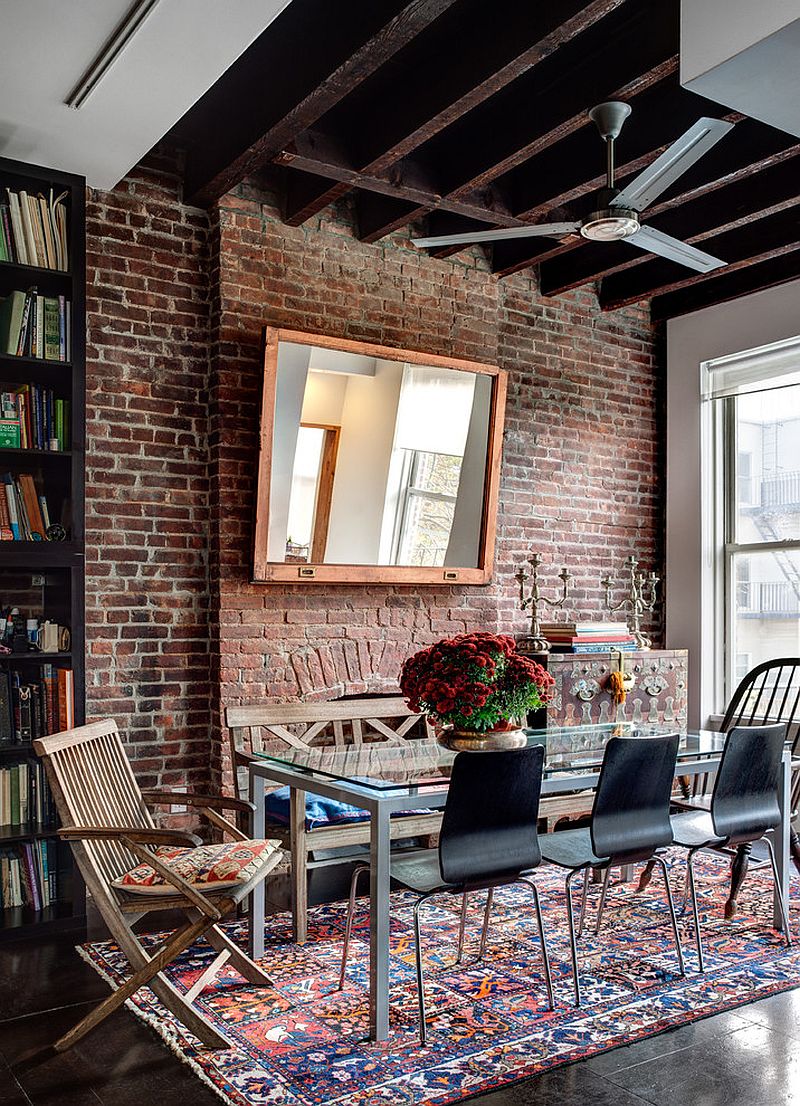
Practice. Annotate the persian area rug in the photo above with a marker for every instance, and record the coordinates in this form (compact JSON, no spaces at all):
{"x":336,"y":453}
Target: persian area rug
{"x":303,"y":1043}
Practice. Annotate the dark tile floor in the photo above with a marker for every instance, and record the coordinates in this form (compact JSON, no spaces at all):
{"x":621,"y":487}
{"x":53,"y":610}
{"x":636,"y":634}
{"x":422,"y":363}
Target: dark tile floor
{"x":749,"y":1057}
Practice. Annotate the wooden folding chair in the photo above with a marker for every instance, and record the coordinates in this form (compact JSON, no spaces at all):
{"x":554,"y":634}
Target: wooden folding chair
{"x":132,"y":868}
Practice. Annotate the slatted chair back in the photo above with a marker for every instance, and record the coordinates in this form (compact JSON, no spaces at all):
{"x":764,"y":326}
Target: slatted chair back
{"x":769,"y":693}
{"x":93,"y":785}
{"x":353,"y":722}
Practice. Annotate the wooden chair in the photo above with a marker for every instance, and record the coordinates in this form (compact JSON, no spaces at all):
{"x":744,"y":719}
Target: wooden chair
{"x":311,"y":725}
{"x":105,"y":818}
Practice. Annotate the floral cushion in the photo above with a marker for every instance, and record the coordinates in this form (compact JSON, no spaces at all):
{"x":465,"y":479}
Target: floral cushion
{"x":208,"y":867}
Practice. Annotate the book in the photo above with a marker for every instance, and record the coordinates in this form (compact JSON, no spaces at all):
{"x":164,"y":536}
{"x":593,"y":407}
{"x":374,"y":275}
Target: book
{"x":27,"y":227}
{"x":33,"y":511}
{"x":20,"y":249}
{"x":575,"y":629}
{"x":591,"y":639}
{"x":66,"y":699}
{"x":11,"y":312}
{"x":626,"y":647}
{"x":52,"y":330}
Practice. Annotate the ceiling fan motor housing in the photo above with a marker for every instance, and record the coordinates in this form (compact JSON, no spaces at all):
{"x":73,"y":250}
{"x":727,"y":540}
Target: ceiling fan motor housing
{"x":610,"y":224}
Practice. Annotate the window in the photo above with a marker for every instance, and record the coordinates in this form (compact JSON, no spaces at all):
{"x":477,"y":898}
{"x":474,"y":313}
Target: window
{"x":756,"y":428}
{"x":427,"y":507}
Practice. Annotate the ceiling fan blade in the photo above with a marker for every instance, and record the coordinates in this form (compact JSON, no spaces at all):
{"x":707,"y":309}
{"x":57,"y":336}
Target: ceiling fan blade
{"x":653,"y":241}
{"x":552,"y":230}
{"x":670,"y":165}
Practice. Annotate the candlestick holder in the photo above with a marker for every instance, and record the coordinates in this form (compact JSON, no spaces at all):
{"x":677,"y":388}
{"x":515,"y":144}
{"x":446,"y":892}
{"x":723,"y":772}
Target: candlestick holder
{"x":536,"y":642}
{"x":641,"y":598}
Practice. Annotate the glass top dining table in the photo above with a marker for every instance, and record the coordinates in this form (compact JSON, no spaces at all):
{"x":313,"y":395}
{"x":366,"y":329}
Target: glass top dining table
{"x":385,"y":779}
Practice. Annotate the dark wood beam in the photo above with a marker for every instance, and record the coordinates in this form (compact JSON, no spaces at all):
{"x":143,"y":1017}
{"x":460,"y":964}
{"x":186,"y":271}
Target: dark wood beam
{"x":755,"y":277}
{"x":756,"y":241}
{"x":408,"y":102}
{"x":486,"y":49}
{"x":758,"y":195}
{"x":631,"y":50}
{"x":308,"y":60}
{"x":752,"y":147}
{"x":316,"y":154}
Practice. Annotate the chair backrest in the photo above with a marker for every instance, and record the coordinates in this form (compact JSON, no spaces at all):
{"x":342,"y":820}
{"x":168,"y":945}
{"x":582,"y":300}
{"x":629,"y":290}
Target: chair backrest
{"x":769,"y":693}
{"x":305,"y":725}
{"x":93,"y":785}
{"x":744,"y":803}
{"x":489,"y":822}
{"x":630,"y":816}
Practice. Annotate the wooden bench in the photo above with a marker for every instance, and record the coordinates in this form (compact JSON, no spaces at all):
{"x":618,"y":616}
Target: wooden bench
{"x":253,"y":729}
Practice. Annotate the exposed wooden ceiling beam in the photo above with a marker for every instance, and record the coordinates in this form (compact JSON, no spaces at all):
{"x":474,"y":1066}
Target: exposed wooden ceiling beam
{"x":754,"y":242}
{"x":752,"y":147}
{"x":412,"y":100}
{"x":268,"y":96}
{"x":768,"y":192}
{"x":755,"y":277}
{"x":314,"y":153}
{"x":620,"y":57}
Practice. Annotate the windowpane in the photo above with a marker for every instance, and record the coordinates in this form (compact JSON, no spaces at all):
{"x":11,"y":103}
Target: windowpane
{"x":426,"y":530}
{"x":437,"y":472}
{"x":768,"y":466}
{"x":766,"y":606}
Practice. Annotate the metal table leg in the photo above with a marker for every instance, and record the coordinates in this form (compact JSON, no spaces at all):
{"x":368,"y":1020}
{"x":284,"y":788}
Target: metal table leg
{"x":780,"y":837}
{"x":256,"y":909}
{"x":379,"y":925}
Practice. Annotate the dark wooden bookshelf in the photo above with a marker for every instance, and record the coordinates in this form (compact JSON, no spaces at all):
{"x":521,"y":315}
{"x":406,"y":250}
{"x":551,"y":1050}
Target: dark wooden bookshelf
{"x":60,"y":564}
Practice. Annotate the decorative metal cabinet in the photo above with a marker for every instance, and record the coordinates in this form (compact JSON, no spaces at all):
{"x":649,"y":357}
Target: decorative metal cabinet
{"x":656,"y":688}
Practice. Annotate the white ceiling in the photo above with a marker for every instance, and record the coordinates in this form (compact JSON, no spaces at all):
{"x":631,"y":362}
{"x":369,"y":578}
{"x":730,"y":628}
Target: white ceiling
{"x":180,"y":50}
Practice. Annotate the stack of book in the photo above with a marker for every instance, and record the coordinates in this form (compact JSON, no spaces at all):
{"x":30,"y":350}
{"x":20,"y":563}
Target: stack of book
{"x":24,"y":514}
{"x":588,"y":637}
{"x":29,"y":875}
{"x":34,"y":418}
{"x":25,"y":796}
{"x":33,"y":230}
{"x":31,"y":710}
{"x":36,"y":326}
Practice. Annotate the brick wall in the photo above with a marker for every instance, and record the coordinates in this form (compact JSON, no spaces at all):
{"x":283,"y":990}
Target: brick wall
{"x":177,"y":303}
{"x":146,"y":473}
{"x":581,"y":472}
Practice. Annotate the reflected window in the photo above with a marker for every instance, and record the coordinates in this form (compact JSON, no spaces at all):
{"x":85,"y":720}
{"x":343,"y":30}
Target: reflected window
{"x":427,"y":507}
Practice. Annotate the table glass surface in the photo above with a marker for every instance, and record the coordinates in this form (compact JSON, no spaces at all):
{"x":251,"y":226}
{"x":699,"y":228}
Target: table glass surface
{"x":420,"y":765}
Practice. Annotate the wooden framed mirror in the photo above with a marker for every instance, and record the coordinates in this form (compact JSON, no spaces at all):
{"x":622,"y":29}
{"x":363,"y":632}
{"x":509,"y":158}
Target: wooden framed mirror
{"x":376,"y":465}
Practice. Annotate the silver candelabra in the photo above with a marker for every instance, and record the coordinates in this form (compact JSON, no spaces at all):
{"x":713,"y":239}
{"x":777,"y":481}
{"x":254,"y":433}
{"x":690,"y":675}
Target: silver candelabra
{"x":536,"y":643}
{"x":641,"y":597}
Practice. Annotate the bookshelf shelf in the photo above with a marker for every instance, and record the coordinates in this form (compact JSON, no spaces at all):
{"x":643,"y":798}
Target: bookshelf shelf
{"x":60,"y":477}
{"x":27,"y":832}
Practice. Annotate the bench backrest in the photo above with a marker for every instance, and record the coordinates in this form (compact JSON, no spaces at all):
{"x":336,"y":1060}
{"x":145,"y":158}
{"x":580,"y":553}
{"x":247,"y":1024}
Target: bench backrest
{"x":251,"y":729}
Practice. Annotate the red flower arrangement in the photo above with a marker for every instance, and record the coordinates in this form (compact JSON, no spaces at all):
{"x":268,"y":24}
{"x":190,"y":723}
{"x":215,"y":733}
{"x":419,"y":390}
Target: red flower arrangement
{"x":474,"y":681}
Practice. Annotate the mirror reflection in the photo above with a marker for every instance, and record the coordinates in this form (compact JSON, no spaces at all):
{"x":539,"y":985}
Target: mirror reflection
{"x":376,"y":461}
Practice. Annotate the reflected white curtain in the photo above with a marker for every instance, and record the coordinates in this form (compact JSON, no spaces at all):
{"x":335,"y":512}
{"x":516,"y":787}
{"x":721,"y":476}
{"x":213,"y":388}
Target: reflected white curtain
{"x":434,"y":410}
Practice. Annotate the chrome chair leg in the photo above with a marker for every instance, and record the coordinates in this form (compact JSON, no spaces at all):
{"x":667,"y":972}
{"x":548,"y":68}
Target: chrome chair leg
{"x":348,"y":929}
{"x":586,"y":874}
{"x":484,"y":932}
{"x":423,"y":1034}
{"x":691,"y":889}
{"x":662,"y":864}
{"x":545,"y":955}
{"x":602,"y":903}
{"x":572,"y":943}
{"x":461,"y":927}
{"x":779,"y":893}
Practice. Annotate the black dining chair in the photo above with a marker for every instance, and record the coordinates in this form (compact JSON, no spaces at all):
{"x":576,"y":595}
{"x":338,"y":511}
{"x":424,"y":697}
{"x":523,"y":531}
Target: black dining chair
{"x":629,"y":823}
{"x":768,"y":694}
{"x":744,"y":807}
{"x":488,"y":839}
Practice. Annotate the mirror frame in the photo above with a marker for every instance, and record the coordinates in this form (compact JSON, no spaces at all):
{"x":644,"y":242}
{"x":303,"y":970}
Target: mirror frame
{"x":265,"y":571}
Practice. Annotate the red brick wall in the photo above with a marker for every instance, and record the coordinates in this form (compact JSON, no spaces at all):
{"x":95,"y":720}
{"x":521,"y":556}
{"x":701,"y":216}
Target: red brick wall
{"x":177,"y":304}
{"x":146,"y":472}
{"x":581,"y":469}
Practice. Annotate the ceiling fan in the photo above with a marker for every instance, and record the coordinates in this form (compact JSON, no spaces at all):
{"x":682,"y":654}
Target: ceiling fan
{"x":617,"y":217}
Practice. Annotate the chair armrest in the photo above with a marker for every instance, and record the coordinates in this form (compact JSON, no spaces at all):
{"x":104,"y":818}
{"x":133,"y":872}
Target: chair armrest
{"x":193,"y":798}
{"x":143,"y":835}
